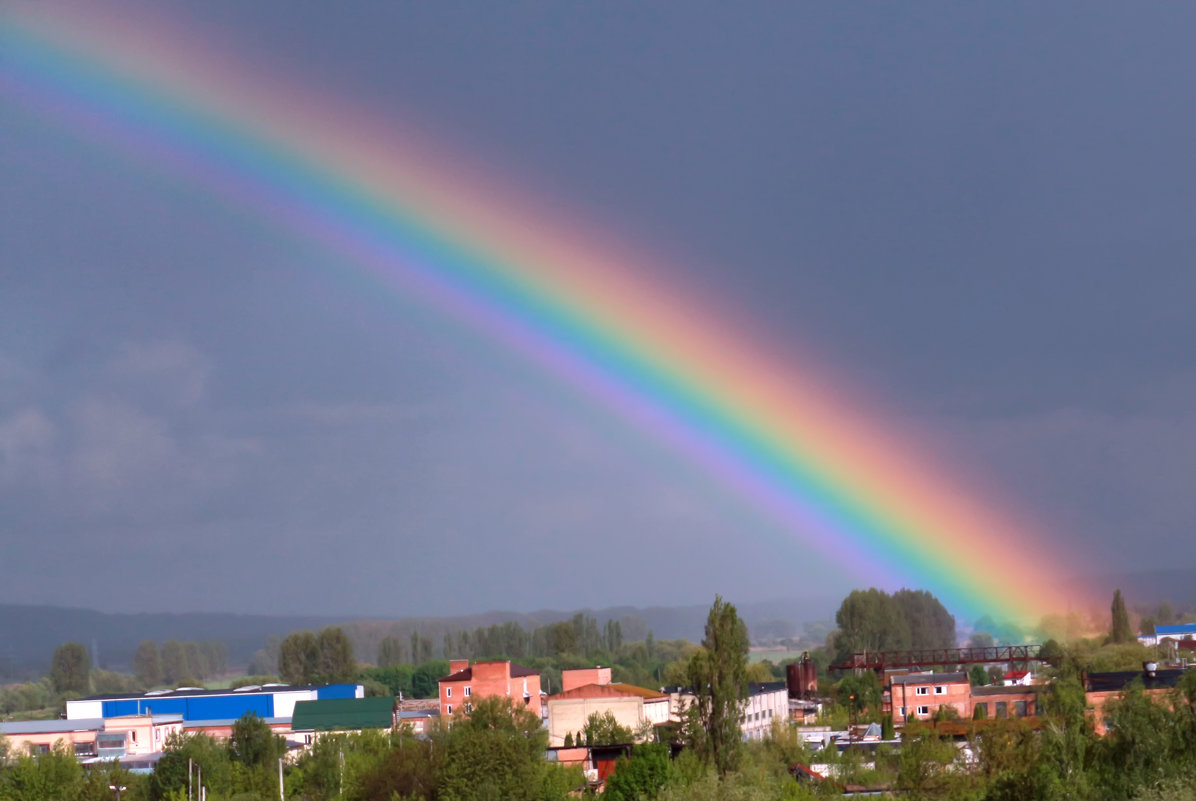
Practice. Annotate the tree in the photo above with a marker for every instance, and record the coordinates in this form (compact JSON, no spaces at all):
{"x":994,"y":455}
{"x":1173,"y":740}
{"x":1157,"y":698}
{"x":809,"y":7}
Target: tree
{"x":335,"y":663}
{"x":147,"y":663}
{"x":174,"y":662}
{"x":640,"y":777}
{"x":390,"y":652}
{"x":860,"y":692}
{"x":1121,"y":631}
{"x":978,"y":676}
{"x":208,"y":754}
{"x":254,"y":744}
{"x":495,"y":753}
{"x":70,"y":668}
{"x":605,"y":729}
{"x":718,"y":677}
{"x":298,"y":658}
{"x":930,"y":624}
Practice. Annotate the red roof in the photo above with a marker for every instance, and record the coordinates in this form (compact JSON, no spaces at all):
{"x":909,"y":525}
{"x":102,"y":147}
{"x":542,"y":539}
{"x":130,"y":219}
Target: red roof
{"x":517,"y":671}
{"x":1017,"y":674}
{"x":610,"y":691}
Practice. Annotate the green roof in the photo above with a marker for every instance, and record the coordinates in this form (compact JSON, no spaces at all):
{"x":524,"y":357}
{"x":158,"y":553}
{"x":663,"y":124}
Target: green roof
{"x":343,"y":714}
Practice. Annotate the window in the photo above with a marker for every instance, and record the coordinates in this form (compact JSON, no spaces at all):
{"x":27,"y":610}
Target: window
{"x":922,"y":691}
{"x":448,"y":710}
{"x":448,"y":692}
{"x":923,"y":710}
{"x":467,"y":690}
{"x":1002,"y":709}
{"x":901,"y":711}
{"x":940,"y":689}
{"x":1019,"y":709}
{"x":983,"y":706}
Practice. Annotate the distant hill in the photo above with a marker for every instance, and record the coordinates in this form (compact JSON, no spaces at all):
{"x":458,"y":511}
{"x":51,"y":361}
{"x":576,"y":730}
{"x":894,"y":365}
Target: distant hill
{"x":29,"y":634}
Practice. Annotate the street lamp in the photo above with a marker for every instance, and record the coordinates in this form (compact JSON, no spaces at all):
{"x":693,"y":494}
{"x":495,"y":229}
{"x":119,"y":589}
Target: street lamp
{"x":118,"y":789}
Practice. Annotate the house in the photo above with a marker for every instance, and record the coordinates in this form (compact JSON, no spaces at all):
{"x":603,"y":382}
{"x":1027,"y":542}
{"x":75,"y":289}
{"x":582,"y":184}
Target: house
{"x":1005,"y":701}
{"x":1100,"y":687}
{"x":489,"y":678}
{"x":633,"y":707}
{"x":266,"y":701}
{"x":1177,"y":633}
{"x":94,"y":738}
{"x":1022,"y":678}
{"x":921,"y":695}
{"x":766,"y":702}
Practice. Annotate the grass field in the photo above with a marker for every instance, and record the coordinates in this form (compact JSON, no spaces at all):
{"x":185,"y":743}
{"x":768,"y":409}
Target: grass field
{"x":774,"y":655}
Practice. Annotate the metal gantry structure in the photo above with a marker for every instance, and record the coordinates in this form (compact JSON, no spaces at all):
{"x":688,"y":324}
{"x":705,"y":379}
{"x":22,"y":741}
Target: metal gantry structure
{"x":881,"y":661}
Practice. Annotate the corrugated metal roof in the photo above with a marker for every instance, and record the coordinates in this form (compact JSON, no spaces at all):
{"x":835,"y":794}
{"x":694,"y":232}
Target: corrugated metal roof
{"x":51,"y":726}
{"x":1171,"y":631}
{"x":343,"y":714}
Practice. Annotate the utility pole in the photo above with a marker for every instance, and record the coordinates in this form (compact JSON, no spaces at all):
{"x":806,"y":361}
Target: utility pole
{"x":281,"y":797}
{"x":190,"y":769}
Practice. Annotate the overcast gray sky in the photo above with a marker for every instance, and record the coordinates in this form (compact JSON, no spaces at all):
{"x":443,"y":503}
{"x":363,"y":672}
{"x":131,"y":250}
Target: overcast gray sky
{"x":980,"y":214}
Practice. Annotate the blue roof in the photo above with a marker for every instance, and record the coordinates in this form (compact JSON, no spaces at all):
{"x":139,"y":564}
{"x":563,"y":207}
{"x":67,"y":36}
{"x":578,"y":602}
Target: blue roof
{"x":1181,"y":628}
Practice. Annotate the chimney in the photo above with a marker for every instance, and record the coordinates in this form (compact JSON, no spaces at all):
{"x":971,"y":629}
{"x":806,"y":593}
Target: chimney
{"x":457,"y":665}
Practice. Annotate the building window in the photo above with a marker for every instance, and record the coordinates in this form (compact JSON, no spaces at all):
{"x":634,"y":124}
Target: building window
{"x":448,"y":692}
{"x":1019,"y":708}
{"x":901,"y":711}
{"x":982,"y":706}
{"x":940,"y":690}
{"x":1002,"y":709}
{"x":922,"y":691}
{"x":923,"y":710}
{"x":467,"y":689}
{"x":448,"y":710}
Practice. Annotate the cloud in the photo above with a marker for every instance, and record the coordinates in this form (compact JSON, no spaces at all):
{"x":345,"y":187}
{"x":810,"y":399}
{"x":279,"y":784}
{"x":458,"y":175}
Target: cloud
{"x":27,"y":441}
{"x":169,"y":371}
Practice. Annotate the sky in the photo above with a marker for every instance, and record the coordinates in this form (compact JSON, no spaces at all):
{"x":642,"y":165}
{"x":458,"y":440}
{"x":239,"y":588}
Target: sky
{"x":974,"y":220}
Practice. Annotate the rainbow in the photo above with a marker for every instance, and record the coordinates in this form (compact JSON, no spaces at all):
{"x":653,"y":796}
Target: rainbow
{"x":588,"y":311}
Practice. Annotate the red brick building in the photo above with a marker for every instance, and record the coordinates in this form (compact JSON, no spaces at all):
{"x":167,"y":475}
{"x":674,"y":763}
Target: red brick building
{"x":466,"y":682}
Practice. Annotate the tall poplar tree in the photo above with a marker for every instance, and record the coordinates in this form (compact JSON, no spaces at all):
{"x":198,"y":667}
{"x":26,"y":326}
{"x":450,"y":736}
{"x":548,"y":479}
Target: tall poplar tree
{"x":718,"y":677}
{"x":1121,"y":632}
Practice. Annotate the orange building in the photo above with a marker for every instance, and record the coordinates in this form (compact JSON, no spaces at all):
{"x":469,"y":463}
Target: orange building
{"x":920,"y":695}
{"x":466,"y":682}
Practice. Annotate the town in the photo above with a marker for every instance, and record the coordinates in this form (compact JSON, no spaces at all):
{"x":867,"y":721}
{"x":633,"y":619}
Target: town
{"x":927,"y":722}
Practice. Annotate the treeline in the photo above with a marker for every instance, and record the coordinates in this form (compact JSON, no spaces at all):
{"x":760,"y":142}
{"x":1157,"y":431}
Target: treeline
{"x":580,"y":635}
{"x":176,"y":663}
{"x":873,"y":620}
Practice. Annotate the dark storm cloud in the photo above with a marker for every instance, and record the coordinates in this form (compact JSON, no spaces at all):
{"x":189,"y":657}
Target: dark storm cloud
{"x":983,"y":214}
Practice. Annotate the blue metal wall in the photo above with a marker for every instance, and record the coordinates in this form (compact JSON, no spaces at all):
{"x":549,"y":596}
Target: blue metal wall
{"x":337,"y":691}
{"x":201,"y":707}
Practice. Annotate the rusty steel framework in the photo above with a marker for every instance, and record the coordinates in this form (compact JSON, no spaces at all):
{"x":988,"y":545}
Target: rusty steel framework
{"x":883,"y":660}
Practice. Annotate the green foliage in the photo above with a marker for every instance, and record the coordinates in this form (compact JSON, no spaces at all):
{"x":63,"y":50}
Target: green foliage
{"x":873,"y":620}
{"x":390,"y":652}
{"x":424,"y":682}
{"x":495,"y":754}
{"x":1121,"y":632}
{"x":324,"y":658}
{"x":207,"y":753}
{"x":604,"y":729}
{"x":147,"y":664}
{"x":398,"y":679}
{"x":254,"y":744}
{"x":640,"y":777}
{"x":978,"y":676}
{"x":860,"y":692}
{"x":70,"y":669}
{"x":55,"y":775}
{"x":718,"y":677}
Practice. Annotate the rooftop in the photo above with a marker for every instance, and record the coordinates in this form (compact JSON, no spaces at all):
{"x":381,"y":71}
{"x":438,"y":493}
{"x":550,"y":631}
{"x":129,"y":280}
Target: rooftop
{"x":616,"y":690}
{"x":343,"y":714}
{"x":930,"y":678}
{"x":517,"y":671}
